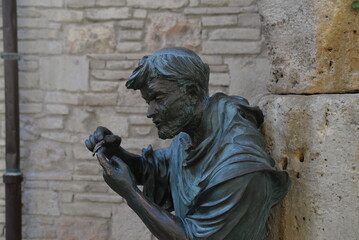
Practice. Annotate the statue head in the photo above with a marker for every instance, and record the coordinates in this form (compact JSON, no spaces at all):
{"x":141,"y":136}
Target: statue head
{"x":174,"y":83}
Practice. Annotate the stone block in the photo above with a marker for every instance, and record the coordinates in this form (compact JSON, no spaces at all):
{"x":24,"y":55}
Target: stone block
{"x":250,"y":20}
{"x":30,"y":108}
{"x":120,"y":65}
{"x":50,"y":123}
{"x":49,"y":176}
{"x":37,"y":23}
{"x":86,"y":210}
{"x":129,"y":47}
{"x":90,"y":39}
{"x":313,"y":48}
{"x":101,"y":99}
{"x":80,"y":121}
{"x":219,"y":79}
{"x":88,"y":187}
{"x":27,"y":96}
{"x":61,"y":137}
{"x":110,"y":3}
{"x":39,"y":228}
{"x":29,"y":80}
{"x":117,"y":124}
{"x":64,"y":73}
{"x":171,"y":29}
{"x":64,"y":15}
{"x":135,"y":24}
{"x":219,"y":21}
{"x":99,"y":198}
{"x":233,"y":3}
{"x":211,"y":10}
{"x":127,"y":225}
{"x":157,"y":3}
{"x":232,"y":47}
{"x":139,"y":13}
{"x":88,"y":168}
{"x":57,"y":109}
{"x":80,"y":3}
{"x":75,"y":229}
{"x":111,"y":74}
{"x":28,"y":65}
{"x":37,"y":34}
{"x":43,"y":47}
{"x":41,"y":202}
{"x":81,"y":152}
{"x":104,"y":86}
{"x":130,"y":35}
{"x":315,"y":138}
{"x":41,"y":3}
{"x":108,"y":13}
{"x":63,"y":97}
{"x":128,"y":97}
{"x":236,"y":34}
{"x":27,"y":13}
{"x":248,"y":77}
{"x":97,"y":64}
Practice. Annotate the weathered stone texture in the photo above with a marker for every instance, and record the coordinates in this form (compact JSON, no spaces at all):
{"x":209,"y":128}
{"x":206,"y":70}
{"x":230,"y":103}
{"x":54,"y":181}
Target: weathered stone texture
{"x":315,"y":138}
{"x":169,"y":29}
{"x":313,"y":48}
{"x":157,"y":3}
{"x":77,"y":229}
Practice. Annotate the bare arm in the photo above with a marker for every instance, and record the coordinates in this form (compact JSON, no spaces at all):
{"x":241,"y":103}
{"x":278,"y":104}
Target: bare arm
{"x":161,"y":223}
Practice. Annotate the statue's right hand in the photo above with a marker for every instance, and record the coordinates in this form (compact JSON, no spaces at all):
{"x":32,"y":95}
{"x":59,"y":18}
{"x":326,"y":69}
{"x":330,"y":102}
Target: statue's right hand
{"x":110,"y":141}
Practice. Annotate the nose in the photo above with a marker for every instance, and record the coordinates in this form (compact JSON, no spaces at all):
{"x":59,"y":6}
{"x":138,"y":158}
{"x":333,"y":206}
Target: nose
{"x":151,"y":111}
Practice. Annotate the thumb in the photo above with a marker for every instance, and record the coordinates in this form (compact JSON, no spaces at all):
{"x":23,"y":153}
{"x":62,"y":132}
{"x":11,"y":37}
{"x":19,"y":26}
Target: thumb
{"x":112,"y":139}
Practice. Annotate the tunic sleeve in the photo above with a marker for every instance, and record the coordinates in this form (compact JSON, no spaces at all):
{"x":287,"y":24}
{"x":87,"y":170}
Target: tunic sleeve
{"x":233,"y":210}
{"x":155,"y":177}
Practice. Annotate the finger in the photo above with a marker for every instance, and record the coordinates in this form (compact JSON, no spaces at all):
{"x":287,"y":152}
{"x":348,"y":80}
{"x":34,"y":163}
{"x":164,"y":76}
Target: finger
{"x":112,"y":139}
{"x":101,"y":132}
{"x":89,"y":145}
{"x":104,"y":163}
{"x":92,"y":140}
{"x":115,"y":161}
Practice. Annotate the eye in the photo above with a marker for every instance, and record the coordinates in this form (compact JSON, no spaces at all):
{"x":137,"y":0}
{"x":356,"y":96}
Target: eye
{"x":159,"y":98}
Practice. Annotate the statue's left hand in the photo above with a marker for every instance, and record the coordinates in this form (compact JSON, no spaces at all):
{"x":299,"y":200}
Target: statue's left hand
{"x":117,"y":175}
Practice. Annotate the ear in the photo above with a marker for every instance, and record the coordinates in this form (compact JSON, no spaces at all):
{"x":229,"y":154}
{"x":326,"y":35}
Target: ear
{"x":193,"y":93}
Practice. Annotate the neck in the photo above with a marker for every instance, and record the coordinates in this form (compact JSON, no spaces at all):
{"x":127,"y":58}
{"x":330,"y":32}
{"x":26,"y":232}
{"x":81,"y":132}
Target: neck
{"x":196,"y":129}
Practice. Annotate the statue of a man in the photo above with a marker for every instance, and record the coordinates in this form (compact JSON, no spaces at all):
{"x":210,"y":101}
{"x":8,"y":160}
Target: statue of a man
{"x":216,"y":176}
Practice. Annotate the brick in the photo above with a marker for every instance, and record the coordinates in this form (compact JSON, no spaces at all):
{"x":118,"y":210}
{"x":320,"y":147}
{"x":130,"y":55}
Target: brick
{"x":64,"y":73}
{"x":219,"y":79}
{"x":88,"y":209}
{"x":30,"y":108}
{"x":28,"y":65}
{"x":249,"y":20}
{"x":48,"y":199}
{"x":108,"y":13}
{"x":210,"y":11}
{"x":64,"y":15}
{"x":43,"y":47}
{"x":139,"y":13}
{"x":57,"y":109}
{"x":235,"y":34}
{"x":168,"y":4}
{"x":99,"y":198}
{"x":37,"y":23}
{"x":110,"y":3}
{"x":88,"y":168}
{"x":219,"y":21}
{"x":232,"y":47}
{"x":97,"y":38}
{"x":123,"y":65}
{"x":41,"y":3}
{"x":60,"y":137}
{"x":129,"y":46}
{"x":38,"y":34}
{"x":101,"y":99}
{"x":136,"y":24}
{"x":50,"y":123}
{"x":130,"y":35}
{"x":80,"y":3}
{"x":62,"y":97}
{"x":111,"y":74}
{"x":29,"y":80}
{"x":29,"y":96}
{"x":104,"y":86}
{"x":97,"y":64}
{"x":73,"y":229}
{"x":233,"y":3}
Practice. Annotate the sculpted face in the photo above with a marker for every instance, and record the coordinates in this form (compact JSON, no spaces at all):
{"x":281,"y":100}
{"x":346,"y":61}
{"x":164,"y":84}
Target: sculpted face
{"x":169,"y":106}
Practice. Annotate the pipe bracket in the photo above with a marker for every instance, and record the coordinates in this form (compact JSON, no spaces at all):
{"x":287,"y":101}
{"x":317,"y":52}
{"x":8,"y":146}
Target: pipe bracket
{"x":12,"y":177}
{"x":11,"y":56}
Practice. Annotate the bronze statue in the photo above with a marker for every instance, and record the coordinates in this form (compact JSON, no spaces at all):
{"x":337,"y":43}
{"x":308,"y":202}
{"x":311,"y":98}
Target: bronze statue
{"x":216,"y":176}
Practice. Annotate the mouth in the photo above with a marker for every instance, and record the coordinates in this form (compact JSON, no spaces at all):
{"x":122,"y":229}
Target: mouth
{"x":157,"y":123}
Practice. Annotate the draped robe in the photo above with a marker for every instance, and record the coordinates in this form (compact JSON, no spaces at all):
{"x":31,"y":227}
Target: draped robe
{"x":223,"y":188}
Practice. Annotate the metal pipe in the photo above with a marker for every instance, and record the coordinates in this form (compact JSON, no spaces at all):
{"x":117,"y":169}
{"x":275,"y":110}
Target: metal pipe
{"x":12,"y":177}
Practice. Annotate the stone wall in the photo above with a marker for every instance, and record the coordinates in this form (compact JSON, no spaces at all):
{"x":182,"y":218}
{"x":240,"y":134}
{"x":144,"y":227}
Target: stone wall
{"x":77,"y":55}
{"x":312,"y":115}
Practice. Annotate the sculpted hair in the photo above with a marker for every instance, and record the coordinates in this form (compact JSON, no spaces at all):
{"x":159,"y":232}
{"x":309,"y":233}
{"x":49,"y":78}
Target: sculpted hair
{"x":173,"y":64}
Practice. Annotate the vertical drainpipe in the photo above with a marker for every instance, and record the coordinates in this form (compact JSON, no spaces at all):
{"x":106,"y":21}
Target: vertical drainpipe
{"x":12,"y":176}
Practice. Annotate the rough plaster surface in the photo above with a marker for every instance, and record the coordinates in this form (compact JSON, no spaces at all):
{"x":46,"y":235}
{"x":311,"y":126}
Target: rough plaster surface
{"x":315,"y":138}
{"x":313,"y":45}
